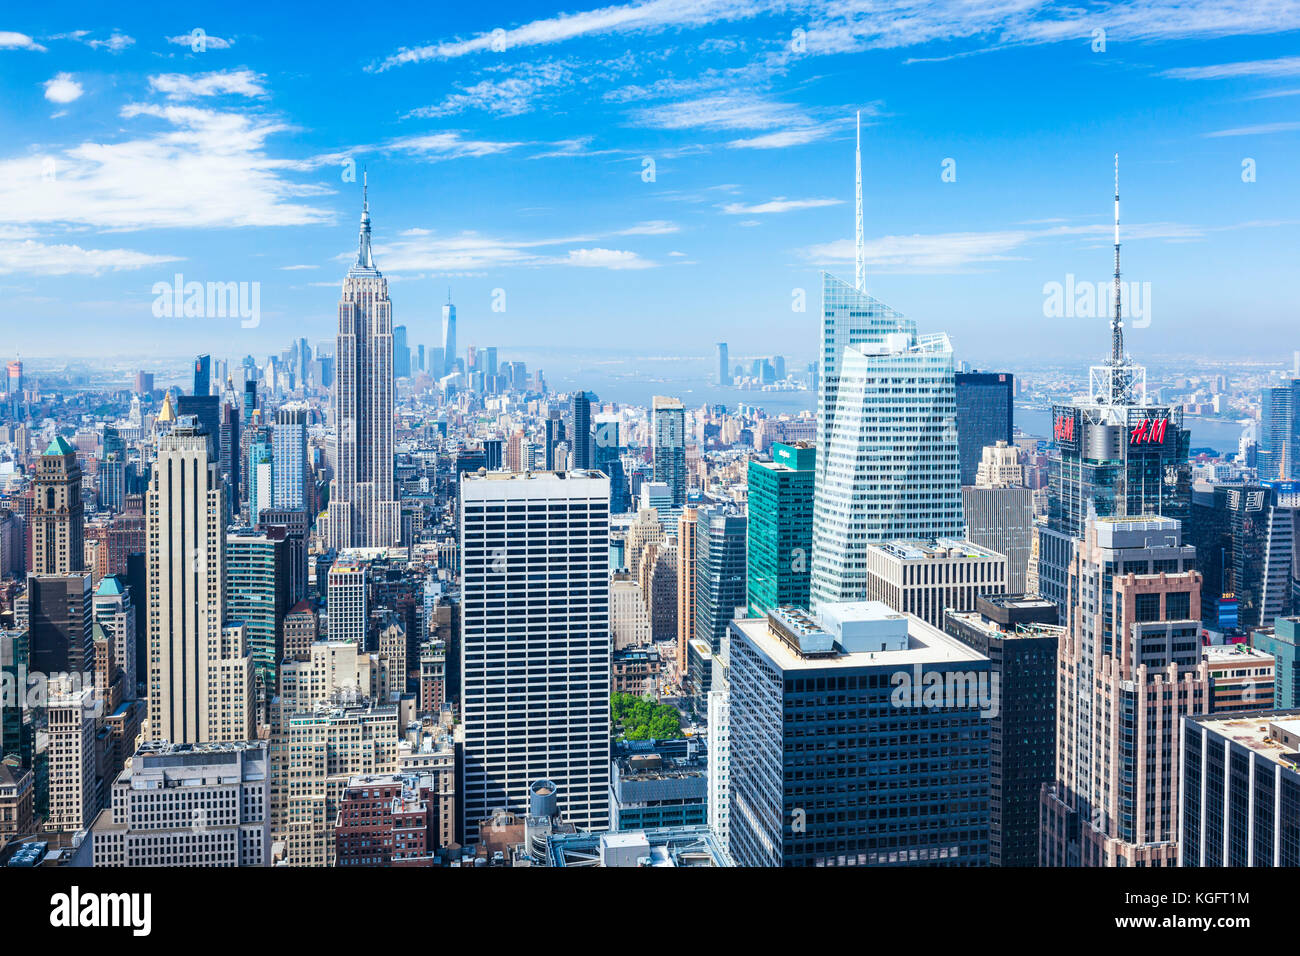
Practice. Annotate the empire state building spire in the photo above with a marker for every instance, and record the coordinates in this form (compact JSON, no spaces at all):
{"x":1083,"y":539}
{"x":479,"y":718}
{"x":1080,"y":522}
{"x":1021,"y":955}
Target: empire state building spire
{"x":364,"y":511}
{"x":364,"y":258}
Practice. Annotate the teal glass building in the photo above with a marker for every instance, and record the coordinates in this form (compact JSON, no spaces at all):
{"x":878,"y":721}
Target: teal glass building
{"x":780,"y":528}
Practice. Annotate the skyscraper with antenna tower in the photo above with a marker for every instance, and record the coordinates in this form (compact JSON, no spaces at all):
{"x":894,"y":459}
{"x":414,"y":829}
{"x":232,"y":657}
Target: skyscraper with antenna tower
{"x":887,"y":462}
{"x":1117,"y":453}
{"x":363,"y":508}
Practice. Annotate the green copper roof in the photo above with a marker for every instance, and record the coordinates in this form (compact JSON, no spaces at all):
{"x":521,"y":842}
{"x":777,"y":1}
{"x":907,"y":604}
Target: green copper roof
{"x":60,"y":447}
{"x":110,"y":585}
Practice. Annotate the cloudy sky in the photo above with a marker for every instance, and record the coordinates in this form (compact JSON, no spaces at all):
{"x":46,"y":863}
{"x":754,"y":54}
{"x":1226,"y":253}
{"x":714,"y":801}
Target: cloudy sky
{"x":652,"y":176}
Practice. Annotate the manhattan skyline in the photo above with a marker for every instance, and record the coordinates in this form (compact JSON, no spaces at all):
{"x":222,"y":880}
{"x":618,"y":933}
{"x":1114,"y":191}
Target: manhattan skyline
{"x":512,"y":167}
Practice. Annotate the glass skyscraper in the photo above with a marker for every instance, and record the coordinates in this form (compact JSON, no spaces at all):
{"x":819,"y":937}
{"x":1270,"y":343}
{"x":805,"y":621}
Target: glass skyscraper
{"x":887,"y":464}
{"x":607,"y":457}
{"x":984,"y":416}
{"x":261,"y":481}
{"x":1114,"y":459}
{"x":257,"y":591}
{"x":202,"y":375}
{"x":669,"y":422}
{"x":289,"y":450}
{"x":582,"y":439}
{"x":1118,"y":455}
{"x":449,"y":336}
{"x":780,"y":528}
{"x":719,"y":571}
{"x":831,"y":765}
{"x":1279,"y":431}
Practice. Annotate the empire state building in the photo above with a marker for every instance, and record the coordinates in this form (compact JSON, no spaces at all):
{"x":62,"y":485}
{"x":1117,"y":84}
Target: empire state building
{"x":363,"y":510}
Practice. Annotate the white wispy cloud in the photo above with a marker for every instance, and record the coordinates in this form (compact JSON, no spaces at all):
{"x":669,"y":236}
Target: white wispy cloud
{"x":777,"y":124}
{"x":203,"y":169}
{"x":454,"y":144}
{"x":115,"y":42}
{"x":649,"y":16}
{"x":959,"y":252}
{"x":847,"y":26}
{"x":1282,"y":66}
{"x":783,"y":138}
{"x":780,"y":204}
{"x":569,"y":148}
{"x":62,"y":88}
{"x":447,"y":145}
{"x":9,"y":40}
{"x":421,"y":250}
{"x":723,"y":111}
{"x":27,"y":256}
{"x":179,"y":86}
{"x":945,"y":252}
{"x":653,"y":227}
{"x":208,"y":41}
{"x":1274,"y":94}
{"x":509,"y":95}
{"x":607,"y":259}
{"x":1260,"y":130}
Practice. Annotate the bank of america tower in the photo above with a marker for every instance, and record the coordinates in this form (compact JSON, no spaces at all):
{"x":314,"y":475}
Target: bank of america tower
{"x":887,"y":464}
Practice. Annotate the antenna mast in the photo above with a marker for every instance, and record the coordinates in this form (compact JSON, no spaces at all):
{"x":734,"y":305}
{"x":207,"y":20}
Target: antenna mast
{"x":860,"y":274}
{"x":1117,"y":323}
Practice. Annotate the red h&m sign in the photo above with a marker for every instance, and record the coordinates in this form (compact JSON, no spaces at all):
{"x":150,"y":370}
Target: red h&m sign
{"x":1064,"y":430}
{"x":1149,"y":431}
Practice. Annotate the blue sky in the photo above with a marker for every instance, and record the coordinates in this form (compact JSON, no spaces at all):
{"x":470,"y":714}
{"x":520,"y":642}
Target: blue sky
{"x":508,"y":148}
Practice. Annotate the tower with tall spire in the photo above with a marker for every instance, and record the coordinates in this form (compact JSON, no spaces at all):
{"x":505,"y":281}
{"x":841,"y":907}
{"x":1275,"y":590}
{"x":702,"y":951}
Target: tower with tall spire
{"x":449,"y":336}
{"x":860,"y":248}
{"x":887,"y":461}
{"x":1117,"y":323}
{"x":1119,"y":381}
{"x":363,"y":508}
{"x":1118,"y":454}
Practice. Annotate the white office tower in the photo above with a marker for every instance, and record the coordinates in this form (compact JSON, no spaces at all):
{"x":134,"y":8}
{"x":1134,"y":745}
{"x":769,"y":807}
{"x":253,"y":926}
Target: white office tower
{"x":208,"y":805}
{"x":194,"y":665}
{"x":887,"y":462}
{"x":289,"y":453}
{"x":448,"y":337}
{"x":346,"y":604}
{"x":363,"y":509}
{"x":719,"y":743}
{"x":535,"y":642}
{"x":71,"y":713}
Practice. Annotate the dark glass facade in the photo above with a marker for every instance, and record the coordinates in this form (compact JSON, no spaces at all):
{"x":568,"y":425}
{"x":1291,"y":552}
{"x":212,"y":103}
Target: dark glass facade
{"x":720,"y":581}
{"x":1241,"y":790}
{"x":1021,"y":645}
{"x":984,"y":416}
{"x":780,"y":528}
{"x":826,"y":770}
{"x":1131,"y":467}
